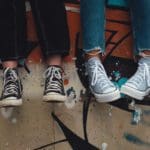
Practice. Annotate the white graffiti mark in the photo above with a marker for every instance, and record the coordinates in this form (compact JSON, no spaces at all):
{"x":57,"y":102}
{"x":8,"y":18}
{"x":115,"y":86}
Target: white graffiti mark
{"x":136,"y":116}
{"x":14,"y":120}
{"x":104,"y":146}
{"x":110,"y":111}
{"x":71,"y":101}
{"x":7,"y":112}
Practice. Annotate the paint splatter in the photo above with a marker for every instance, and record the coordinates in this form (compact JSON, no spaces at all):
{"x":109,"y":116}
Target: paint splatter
{"x":14,"y":120}
{"x":71,"y":100}
{"x":7,"y":112}
{"x":110,"y":111}
{"x":104,"y":146}
{"x":136,"y":116}
{"x":117,"y":75}
{"x":132,"y":105}
{"x":122,"y":81}
{"x":135,"y":140}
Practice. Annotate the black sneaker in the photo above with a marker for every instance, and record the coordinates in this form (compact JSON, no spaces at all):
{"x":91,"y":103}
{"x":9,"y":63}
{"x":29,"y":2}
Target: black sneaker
{"x":12,"y":89}
{"x":54,"y":88}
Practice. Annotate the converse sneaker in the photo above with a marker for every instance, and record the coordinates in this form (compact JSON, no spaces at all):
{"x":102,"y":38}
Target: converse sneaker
{"x":54,"y":88}
{"x":12,"y":89}
{"x":102,"y":88}
{"x":138,"y":86}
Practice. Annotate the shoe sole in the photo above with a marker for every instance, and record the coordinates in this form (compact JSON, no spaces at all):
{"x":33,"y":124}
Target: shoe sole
{"x":139,"y":95}
{"x":10,"y":102}
{"x":54,"y":97}
{"x":108,"y":97}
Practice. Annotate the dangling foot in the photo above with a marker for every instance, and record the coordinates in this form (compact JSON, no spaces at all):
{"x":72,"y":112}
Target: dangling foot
{"x":138,"y":86}
{"x":12,"y":89}
{"x":102,"y":88}
{"x":54,"y":88}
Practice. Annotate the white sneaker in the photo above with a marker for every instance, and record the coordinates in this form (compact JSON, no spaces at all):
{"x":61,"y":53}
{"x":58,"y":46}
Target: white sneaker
{"x":138,"y":86}
{"x":102,"y":88}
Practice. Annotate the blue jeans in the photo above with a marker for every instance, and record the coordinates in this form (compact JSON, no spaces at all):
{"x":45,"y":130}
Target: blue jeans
{"x":93,"y":24}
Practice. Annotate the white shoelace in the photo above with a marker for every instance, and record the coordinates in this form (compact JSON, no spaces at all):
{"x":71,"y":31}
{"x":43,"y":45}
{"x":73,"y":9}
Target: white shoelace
{"x":52,"y":72}
{"x":99,"y":74}
{"x":10,"y":88}
{"x":143,"y":74}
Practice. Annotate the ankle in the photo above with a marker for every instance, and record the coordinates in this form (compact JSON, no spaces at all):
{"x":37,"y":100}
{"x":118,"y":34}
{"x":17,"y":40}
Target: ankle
{"x":93,"y":53}
{"x":145,"y":53}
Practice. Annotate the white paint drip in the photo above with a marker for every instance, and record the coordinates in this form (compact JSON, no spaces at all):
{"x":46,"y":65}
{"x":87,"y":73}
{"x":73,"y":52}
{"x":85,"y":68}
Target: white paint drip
{"x":104,"y":146}
{"x":110,"y":111}
{"x":132,"y":104}
{"x":7,"y":112}
{"x":110,"y":114}
{"x":70,"y":102}
{"x":14,"y":120}
{"x":137,"y":112}
{"x":137,"y":116}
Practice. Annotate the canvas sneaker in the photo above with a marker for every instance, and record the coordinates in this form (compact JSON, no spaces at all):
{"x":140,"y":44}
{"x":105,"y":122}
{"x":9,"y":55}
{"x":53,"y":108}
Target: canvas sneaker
{"x":102,"y":88}
{"x":54,"y":88}
{"x":12,"y":88}
{"x":138,"y":86}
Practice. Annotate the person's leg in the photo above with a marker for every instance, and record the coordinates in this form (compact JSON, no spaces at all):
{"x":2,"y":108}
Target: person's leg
{"x":12,"y":29}
{"x":93,"y":29}
{"x":138,"y":86}
{"x":12,"y":43}
{"x":52,"y":28}
{"x":93,"y":25}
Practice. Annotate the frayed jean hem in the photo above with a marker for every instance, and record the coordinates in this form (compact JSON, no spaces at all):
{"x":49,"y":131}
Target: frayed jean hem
{"x":94,"y":48}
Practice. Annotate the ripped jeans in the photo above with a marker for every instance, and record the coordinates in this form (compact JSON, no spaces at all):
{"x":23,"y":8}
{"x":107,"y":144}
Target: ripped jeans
{"x":93,"y":24}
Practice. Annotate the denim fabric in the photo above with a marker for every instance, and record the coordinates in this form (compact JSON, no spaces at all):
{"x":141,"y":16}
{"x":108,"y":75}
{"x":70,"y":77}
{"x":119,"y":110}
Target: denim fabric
{"x":140,"y":15}
{"x":51,"y":25}
{"x":93,"y":24}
